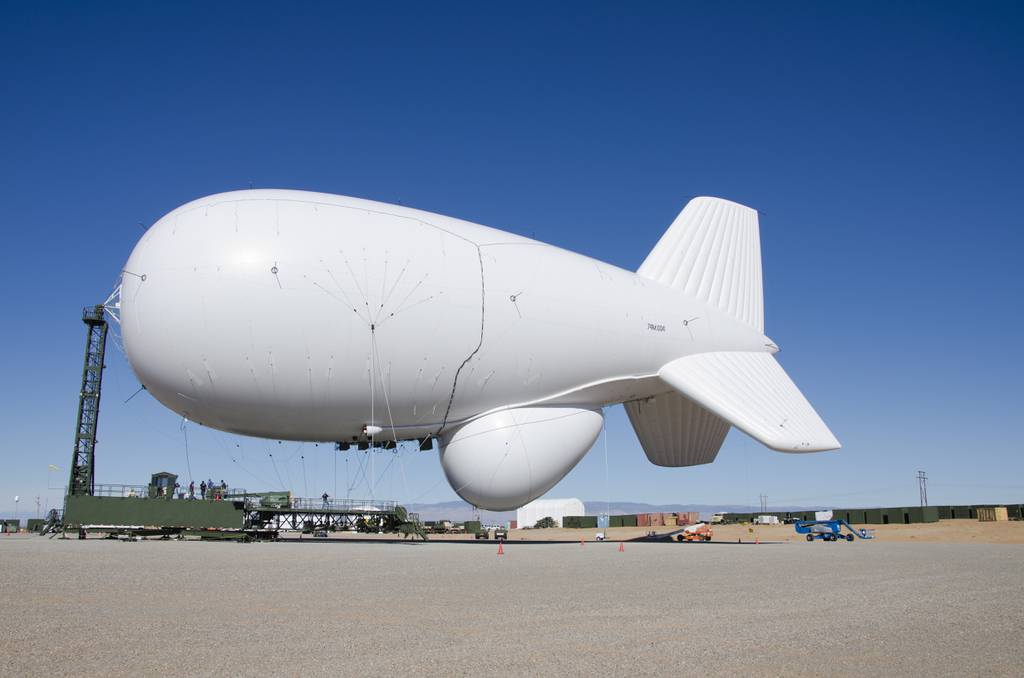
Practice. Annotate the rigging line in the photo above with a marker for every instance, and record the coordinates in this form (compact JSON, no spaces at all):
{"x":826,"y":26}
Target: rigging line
{"x":262,"y":480}
{"x":305,"y":482}
{"x":393,"y":288}
{"x":335,"y":456}
{"x":347,"y":303}
{"x":415,"y":287}
{"x":401,"y":468}
{"x":384,"y":472}
{"x":607,"y":482}
{"x":480,"y":343}
{"x":141,"y":389}
{"x":354,"y":280}
{"x":427,"y":491}
{"x":383,"y":282}
{"x":366,"y":278}
{"x":384,"y":390}
{"x":373,"y":399}
{"x":288,"y":474}
{"x":298,"y":446}
{"x":277,"y":473}
{"x":366,"y":301}
{"x":407,"y":308}
{"x":188,"y":462}
{"x":360,"y":473}
{"x":227,"y":454}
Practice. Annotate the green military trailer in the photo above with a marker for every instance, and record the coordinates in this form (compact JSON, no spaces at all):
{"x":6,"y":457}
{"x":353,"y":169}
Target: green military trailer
{"x":476,"y":528}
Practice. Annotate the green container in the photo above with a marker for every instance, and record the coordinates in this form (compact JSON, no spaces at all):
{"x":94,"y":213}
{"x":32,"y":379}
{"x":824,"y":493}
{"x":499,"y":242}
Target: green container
{"x":472,"y":526}
{"x":82,"y":510}
{"x":629,"y":520}
{"x":614,"y":521}
{"x":963,"y":512}
{"x":588,"y":522}
{"x":896,"y":516}
{"x":572,"y":522}
{"x":35,"y":524}
{"x":873,"y":516}
{"x":852,"y":516}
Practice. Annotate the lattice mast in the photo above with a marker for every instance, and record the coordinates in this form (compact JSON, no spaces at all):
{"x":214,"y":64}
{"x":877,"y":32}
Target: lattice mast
{"x":83,"y":459}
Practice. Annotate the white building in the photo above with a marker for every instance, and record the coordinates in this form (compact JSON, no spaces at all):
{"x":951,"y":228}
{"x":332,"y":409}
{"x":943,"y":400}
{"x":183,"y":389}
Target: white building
{"x":528,"y":515}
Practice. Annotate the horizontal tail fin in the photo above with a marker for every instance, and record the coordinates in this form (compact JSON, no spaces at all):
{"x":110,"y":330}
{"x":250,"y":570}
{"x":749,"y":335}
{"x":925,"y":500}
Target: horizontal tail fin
{"x":712,"y":251}
{"x":753,"y":393}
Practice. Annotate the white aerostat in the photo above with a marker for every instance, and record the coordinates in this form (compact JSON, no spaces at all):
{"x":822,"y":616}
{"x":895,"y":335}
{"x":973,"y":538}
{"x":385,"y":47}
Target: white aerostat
{"x":307,"y":316}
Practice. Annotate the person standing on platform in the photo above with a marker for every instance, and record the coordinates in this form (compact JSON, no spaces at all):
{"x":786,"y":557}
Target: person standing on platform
{"x":202,"y":490}
{"x":325,"y":498}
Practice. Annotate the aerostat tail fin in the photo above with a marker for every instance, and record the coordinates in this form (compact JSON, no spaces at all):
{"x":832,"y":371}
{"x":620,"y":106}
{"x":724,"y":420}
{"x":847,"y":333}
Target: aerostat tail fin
{"x":712,"y":251}
{"x":753,"y":393}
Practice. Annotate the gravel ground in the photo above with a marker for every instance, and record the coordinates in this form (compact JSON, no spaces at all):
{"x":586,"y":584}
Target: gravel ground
{"x":106,"y":608}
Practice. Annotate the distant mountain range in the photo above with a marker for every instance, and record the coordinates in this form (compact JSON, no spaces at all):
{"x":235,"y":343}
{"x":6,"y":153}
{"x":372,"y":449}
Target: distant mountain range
{"x":459,"y":511}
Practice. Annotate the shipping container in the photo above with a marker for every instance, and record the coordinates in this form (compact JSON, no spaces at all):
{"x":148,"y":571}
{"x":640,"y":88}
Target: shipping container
{"x":670,"y":520}
{"x":687,"y":518}
{"x":513,"y":525}
{"x":643,"y":520}
{"x":988,"y":514}
{"x":629,"y":520}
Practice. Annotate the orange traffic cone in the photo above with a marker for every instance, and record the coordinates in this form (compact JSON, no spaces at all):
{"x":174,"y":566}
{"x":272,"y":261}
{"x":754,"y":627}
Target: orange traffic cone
{"x":501,"y":550}
{"x":621,"y":547}
{"x":757,"y":540}
{"x":581,"y":542}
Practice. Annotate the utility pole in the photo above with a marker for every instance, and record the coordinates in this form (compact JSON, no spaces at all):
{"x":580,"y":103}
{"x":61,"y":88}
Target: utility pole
{"x":922,"y":487}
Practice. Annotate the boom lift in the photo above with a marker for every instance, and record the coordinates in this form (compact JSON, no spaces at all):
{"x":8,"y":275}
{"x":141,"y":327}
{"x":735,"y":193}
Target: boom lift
{"x":830,"y":530}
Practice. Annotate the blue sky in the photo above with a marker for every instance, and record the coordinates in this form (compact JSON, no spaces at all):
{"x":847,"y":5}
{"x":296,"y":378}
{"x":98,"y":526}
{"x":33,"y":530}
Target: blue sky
{"x":882,"y":143}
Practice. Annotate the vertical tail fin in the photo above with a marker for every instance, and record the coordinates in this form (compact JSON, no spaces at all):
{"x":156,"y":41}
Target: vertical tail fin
{"x":712,"y":251}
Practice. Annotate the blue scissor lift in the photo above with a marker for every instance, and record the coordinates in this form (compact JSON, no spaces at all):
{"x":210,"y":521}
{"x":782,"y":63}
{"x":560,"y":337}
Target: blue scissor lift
{"x":830,"y":530}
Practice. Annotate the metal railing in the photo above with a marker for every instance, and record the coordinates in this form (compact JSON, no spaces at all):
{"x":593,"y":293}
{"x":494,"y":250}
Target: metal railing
{"x":142,"y":492}
{"x":347,"y":505}
{"x":114,"y":490}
